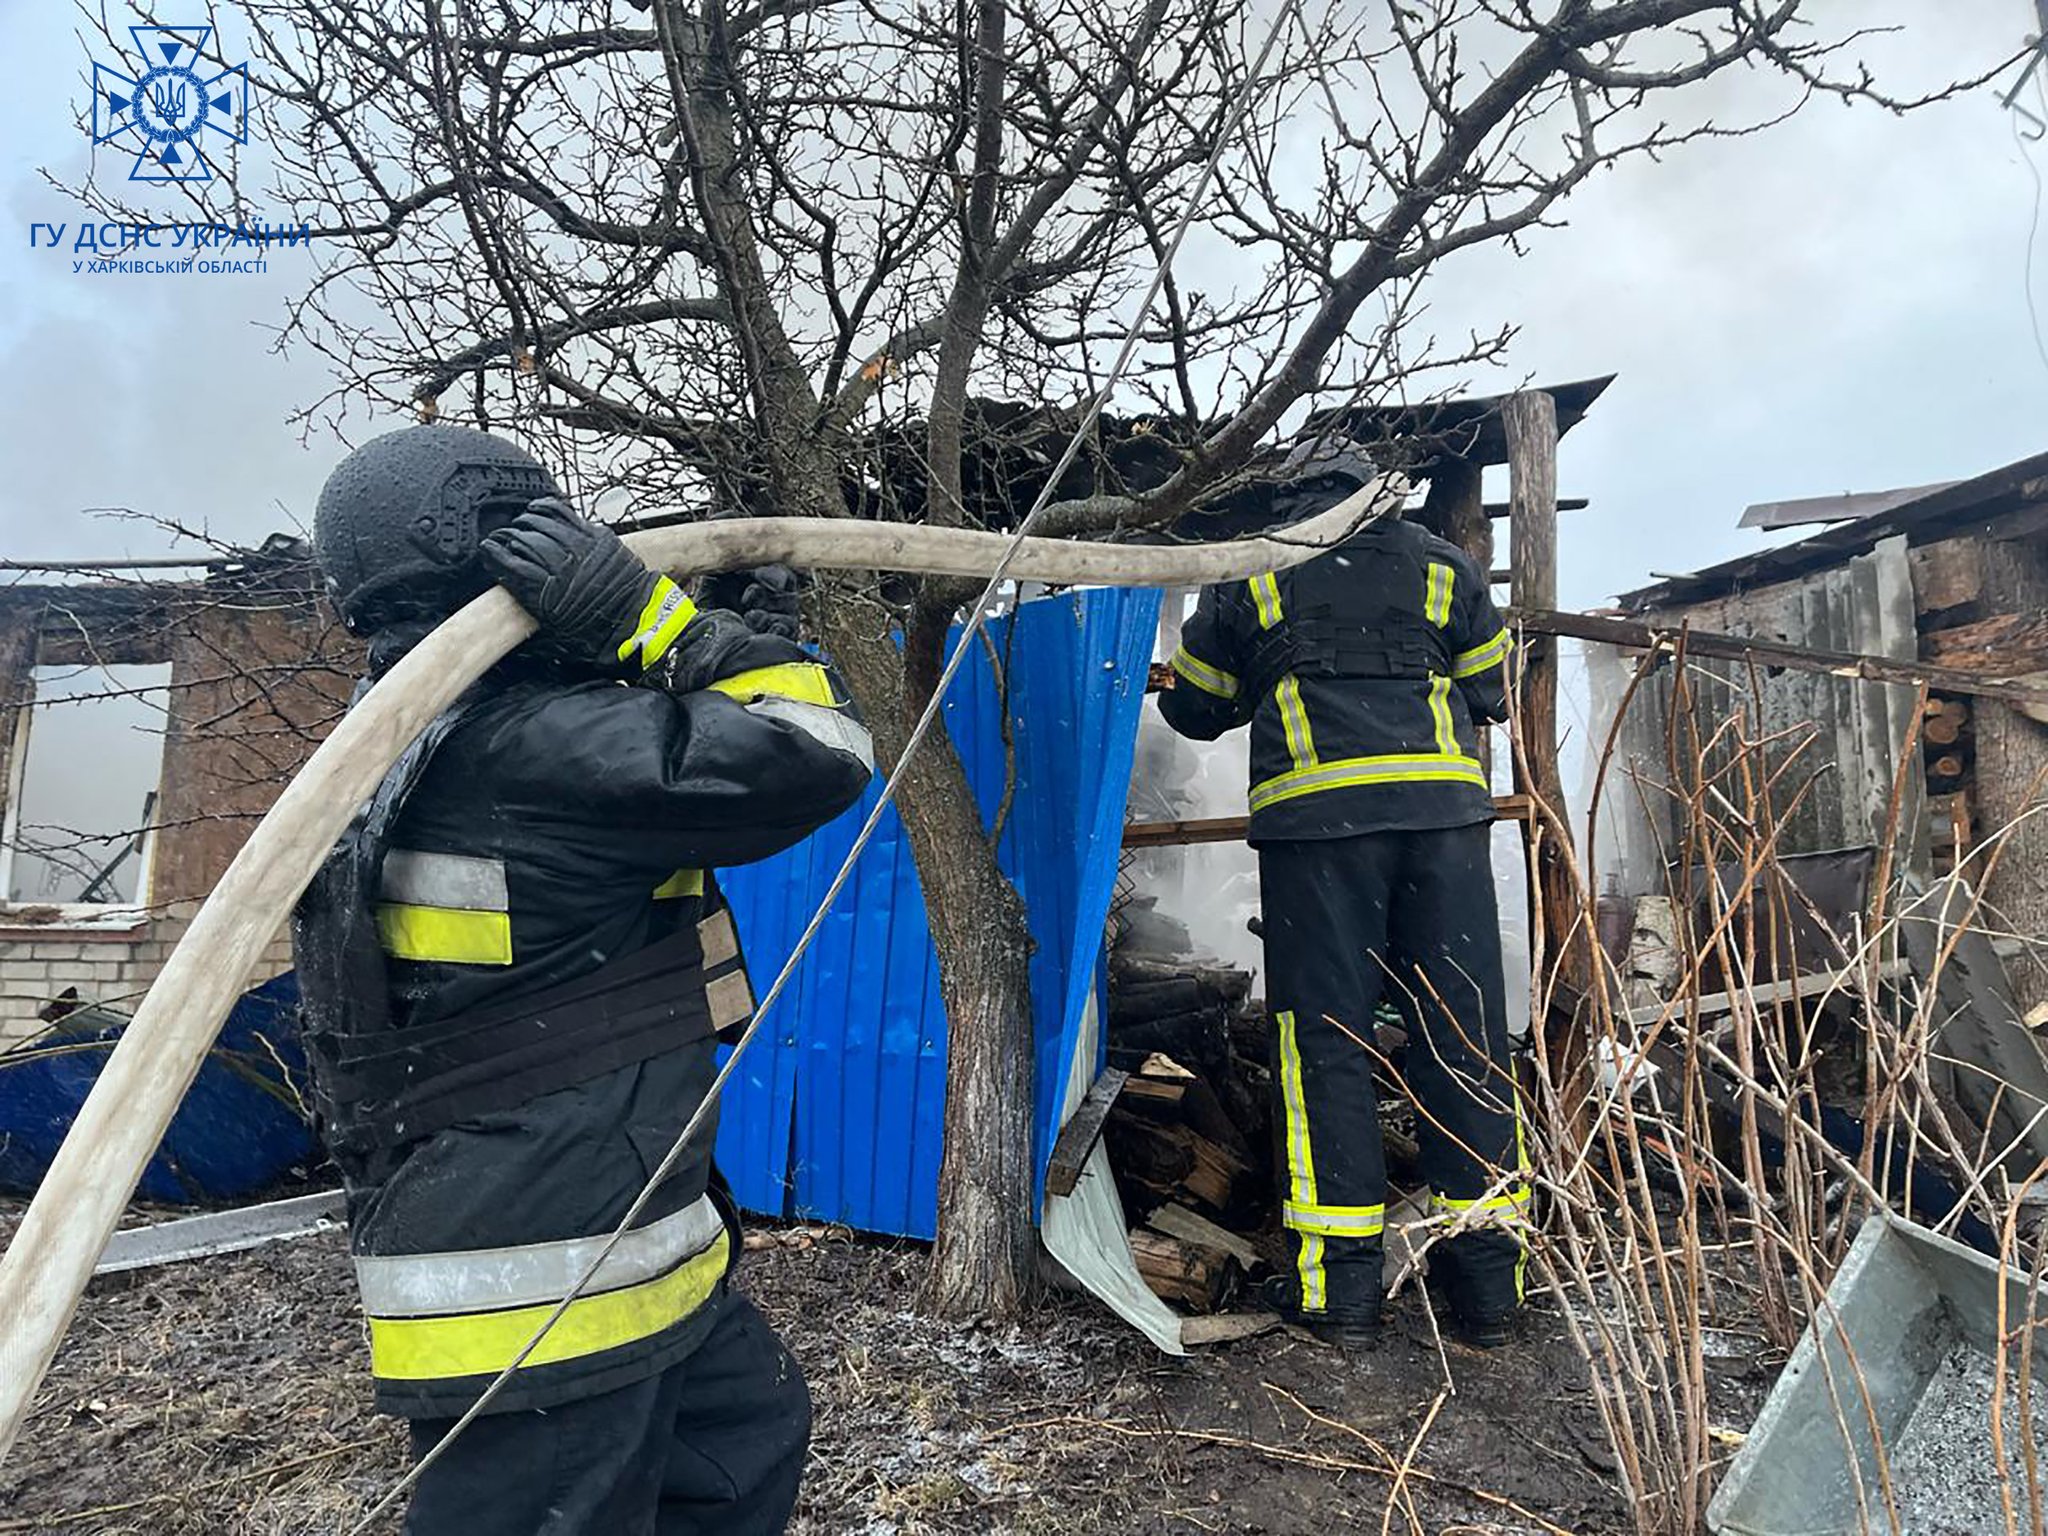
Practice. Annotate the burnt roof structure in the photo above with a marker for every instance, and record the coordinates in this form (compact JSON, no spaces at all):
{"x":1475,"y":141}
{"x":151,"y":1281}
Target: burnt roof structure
{"x":1945,"y":512}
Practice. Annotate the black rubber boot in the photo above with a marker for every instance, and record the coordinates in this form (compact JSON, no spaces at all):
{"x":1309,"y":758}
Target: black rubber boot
{"x":1356,"y":1327}
{"x":1483,"y":1330}
{"x":1479,"y":1299}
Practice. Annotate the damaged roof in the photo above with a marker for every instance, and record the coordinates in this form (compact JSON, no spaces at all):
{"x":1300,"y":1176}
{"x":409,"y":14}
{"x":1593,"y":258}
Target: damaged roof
{"x":1416,"y":439}
{"x":1927,"y":517}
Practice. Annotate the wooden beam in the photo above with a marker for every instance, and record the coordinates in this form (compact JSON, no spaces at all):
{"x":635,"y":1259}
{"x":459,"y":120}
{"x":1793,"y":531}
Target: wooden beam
{"x":1631,"y":635}
{"x":1500,"y":509}
{"x":2007,"y":645}
{"x":1231,"y":829}
{"x":1078,"y":1136}
{"x":1556,"y":913}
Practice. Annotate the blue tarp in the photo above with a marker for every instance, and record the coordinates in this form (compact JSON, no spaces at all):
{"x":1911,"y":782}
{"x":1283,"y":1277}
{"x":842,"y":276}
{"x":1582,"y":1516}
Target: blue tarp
{"x":836,"y":1110}
{"x":238,"y":1128}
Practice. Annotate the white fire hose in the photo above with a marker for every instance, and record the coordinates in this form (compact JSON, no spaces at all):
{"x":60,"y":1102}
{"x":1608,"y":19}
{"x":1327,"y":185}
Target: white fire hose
{"x":45,"y":1268}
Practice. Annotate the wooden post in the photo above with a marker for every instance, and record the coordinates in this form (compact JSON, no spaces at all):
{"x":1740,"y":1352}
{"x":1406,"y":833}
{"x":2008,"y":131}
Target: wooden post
{"x":1530,"y":420}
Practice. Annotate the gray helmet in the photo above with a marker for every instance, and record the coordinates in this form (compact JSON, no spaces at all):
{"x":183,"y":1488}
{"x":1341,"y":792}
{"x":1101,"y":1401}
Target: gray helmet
{"x":397,"y":525}
{"x":1328,"y":458}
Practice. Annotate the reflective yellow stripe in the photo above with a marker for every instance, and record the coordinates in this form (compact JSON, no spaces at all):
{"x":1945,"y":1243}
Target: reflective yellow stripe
{"x":1335,"y":1220}
{"x":684,"y":882}
{"x":1350,"y":772}
{"x":1436,"y":597}
{"x":1301,"y":1173}
{"x":1266,"y":595}
{"x":804,"y":681}
{"x":1514,"y":1200}
{"x":1205,"y":677}
{"x":1308,"y":1265}
{"x":452,"y":935}
{"x":1301,"y":1160}
{"x":666,"y":615}
{"x":1480,"y":657}
{"x":1440,"y":711}
{"x":437,"y":1348}
{"x":1301,"y":745}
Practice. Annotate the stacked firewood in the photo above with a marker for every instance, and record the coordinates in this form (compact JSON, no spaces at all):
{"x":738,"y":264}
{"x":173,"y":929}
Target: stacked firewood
{"x":1187,"y":1126}
{"x":1949,"y":743}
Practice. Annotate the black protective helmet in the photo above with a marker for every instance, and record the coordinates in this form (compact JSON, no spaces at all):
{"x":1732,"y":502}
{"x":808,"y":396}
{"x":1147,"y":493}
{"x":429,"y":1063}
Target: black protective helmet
{"x":397,"y":524}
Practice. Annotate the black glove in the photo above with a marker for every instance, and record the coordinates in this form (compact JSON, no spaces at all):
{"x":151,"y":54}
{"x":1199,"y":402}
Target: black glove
{"x":720,"y":646}
{"x":597,"y":602}
{"x":768,"y":597}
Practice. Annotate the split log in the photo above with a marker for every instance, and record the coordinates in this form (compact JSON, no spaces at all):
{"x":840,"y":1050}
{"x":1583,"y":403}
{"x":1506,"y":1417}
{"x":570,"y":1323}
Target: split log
{"x":45,"y":1268}
{"x":1192,"y":1227}
{"x":1180,"y":1272}
{"x":1149,"y":1096}
{"x":1175,"y":1160}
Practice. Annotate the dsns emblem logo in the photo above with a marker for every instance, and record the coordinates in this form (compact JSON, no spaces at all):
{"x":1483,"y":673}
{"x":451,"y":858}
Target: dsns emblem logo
{"x":171,"y":104}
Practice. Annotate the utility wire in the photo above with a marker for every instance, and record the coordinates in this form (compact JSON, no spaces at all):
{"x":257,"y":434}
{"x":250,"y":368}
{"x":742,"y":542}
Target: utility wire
{"x":1233,"y":115}
{"x":2034,"y":228}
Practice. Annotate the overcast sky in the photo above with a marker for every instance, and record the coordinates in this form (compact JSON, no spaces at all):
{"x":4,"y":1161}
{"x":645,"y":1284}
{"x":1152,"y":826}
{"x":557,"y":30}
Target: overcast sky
{"x":1837,"y":306}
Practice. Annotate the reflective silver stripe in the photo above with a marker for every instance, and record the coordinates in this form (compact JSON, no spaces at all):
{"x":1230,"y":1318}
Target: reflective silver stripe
{"x":730,"y":999}
{"x":718,"y":938}
{"x":832,"y":727}
{"x":444,"y":880}
{"x":488,"y":1279}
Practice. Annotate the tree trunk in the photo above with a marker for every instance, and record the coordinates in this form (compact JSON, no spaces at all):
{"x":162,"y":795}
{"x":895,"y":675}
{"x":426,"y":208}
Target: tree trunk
{"x":982,"y":1264}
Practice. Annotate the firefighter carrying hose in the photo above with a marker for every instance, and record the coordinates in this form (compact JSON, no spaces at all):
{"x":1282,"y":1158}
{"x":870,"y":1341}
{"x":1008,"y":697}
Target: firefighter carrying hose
{"x":515,"y":966}
{"x":1365,"y":675}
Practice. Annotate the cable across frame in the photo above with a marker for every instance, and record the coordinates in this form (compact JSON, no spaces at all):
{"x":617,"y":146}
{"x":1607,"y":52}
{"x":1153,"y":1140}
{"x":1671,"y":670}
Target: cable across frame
{"x":977,"y":617}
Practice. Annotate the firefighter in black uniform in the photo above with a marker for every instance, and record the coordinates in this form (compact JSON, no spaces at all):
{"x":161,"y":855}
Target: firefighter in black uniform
{"x":514,"y":967}
{"x":1364,"y":675}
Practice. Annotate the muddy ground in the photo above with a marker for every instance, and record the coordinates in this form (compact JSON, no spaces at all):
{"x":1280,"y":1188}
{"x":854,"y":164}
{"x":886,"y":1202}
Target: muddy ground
{"x":228,"y":1398}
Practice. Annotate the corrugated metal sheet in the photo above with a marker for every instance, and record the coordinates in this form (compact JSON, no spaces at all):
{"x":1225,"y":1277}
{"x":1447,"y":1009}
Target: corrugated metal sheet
{"x":836,"y":1111}
{"x":1856,"y":728}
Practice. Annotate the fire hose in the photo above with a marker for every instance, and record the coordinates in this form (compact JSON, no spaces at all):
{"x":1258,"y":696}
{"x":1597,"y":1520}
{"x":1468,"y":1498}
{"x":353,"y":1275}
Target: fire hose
{"x":44,"y":1271}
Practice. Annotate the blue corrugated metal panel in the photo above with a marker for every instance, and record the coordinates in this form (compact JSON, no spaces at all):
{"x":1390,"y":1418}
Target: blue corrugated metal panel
{"x":836,"y":1113}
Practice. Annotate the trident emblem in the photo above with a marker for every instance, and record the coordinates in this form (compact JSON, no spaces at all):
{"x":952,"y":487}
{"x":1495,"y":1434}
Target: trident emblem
{"x":171,"y":104}
{"x":168,"y":98}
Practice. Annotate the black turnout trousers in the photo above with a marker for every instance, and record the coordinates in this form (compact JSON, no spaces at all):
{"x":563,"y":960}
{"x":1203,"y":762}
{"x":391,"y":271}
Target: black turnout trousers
{"x":713,"y":1446}
{"x":1407,"y":916}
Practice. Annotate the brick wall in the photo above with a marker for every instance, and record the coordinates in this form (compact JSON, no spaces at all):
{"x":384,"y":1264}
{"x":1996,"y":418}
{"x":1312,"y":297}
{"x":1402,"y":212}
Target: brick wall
{"x":113,"y":969}
{"x":257,"y":677}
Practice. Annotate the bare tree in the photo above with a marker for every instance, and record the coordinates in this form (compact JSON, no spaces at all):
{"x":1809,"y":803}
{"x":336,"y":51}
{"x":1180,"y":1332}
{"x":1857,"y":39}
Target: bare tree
{"x":794,"y":255}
